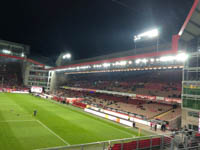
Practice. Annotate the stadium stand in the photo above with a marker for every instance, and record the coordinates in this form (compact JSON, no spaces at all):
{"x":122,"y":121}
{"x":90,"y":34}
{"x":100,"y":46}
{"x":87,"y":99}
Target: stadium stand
{"x":146,"y":110}
{"x":10,"y":74}
{"x":159,"y":83}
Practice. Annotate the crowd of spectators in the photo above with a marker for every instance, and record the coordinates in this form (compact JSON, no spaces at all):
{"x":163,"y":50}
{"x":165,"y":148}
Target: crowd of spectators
{"x":10,"y":76}
{"x":154,"y":83}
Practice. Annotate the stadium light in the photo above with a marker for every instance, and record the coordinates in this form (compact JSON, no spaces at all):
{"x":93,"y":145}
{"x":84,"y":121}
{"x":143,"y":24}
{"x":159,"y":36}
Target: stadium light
{"x":123,"y":63}
{"x":138,"y":61}
{"x":157,"y":59}
{"x":167,"y":58}
{"x":130,"y":62}
{"x":179,"y":57}
{"x":152,"y":60}
{"x":149,"y":34}
{"x":5,"y":51}
{"x":182,"y":57}
{"x":106,"y":65}
{"x":144,"y":60}
{"x":22,"y":55}
{"x":67,"y":56}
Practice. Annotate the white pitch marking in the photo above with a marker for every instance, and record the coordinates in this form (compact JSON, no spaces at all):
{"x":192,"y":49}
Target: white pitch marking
{"x":17,"y":120}
{"x":52,"y":132}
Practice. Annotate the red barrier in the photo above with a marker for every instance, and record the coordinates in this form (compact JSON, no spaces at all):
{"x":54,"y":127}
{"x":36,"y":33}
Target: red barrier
{"x":142,"y":144}
{"x":79,"y":104}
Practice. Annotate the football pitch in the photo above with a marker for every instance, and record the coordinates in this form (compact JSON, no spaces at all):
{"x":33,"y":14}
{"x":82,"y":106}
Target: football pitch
{"x":55,"y":124}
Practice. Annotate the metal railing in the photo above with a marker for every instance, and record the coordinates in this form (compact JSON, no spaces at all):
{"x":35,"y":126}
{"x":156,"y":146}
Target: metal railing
{"x":173,"y":141}
{"x":139,"y":143}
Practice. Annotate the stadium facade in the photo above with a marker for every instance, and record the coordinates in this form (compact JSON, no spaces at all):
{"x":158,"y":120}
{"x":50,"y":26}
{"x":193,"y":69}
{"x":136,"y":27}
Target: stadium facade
{"x":190,"y":84}
{"x":13,"y":49}
{"x":190,"y":93}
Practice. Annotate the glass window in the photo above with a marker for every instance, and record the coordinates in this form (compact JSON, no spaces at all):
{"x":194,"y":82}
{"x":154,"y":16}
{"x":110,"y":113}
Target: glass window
{"x":191,"y":103}
{"x":193,"y":62}
{"x":195,"y":128}
{"x":190,"y":126}
{"x":192,"y":91}
{"x":193,"y":114}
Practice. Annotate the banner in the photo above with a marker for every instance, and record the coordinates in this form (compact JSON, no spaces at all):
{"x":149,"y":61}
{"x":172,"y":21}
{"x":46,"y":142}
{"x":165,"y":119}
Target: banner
{"x":176,"y":100}
{"x":36,"y":89}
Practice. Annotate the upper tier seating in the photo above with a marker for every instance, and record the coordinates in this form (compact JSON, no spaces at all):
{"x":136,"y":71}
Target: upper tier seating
{"x":159,"y":83}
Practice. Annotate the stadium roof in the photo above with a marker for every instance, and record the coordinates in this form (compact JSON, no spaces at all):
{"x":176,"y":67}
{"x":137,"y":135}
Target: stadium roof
{"x":22,"y":58}
{"x":188,"y":31}
{"x":127,"y":55}
{"x":120,"y":55}
{"x":8,"y":44}
{"x":191,"y":26}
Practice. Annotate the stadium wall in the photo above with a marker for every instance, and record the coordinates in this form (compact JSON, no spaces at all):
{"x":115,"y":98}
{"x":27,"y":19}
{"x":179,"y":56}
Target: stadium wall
{"x":25,"y":72}
{"x":176,"y":123}
{"x":190,"y":119}
{"x":57,"y":80}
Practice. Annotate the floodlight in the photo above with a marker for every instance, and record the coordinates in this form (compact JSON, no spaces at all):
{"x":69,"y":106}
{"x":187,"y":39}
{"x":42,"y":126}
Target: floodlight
{"x":149,"y":34}
{"x":5,"y":51}
{"x":123,"y":63}
{"x":138,"y":61}
{"x":67,"y":56}
{"x":182,"y":57}
{"x":152,"y":60}
{"x":157,"y":59}
{"x":106,"y":65}
{"x":144,"y":60}
{"x":167,"y":58}
{"x":22,"y":55}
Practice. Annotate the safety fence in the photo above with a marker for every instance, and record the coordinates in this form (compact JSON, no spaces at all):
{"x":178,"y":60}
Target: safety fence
{"x":139,"y":143}
{"x":179,"y":141}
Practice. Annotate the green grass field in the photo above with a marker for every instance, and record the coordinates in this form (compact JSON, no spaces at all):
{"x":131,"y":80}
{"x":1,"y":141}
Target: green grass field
{"x":55,"y":124}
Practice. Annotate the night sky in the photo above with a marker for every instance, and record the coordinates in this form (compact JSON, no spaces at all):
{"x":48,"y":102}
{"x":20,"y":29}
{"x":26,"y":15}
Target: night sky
{"x":87,"y":28}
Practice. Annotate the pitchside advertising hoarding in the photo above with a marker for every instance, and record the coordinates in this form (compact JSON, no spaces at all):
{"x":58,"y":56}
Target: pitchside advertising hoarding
{"x":36,"y":89}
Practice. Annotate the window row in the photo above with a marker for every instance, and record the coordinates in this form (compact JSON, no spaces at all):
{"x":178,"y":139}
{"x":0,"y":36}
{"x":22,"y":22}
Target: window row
{"x":191,"y":103}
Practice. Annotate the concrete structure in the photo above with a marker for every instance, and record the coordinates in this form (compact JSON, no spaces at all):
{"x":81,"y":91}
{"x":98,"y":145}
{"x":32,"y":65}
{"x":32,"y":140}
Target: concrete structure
{"x":14,"y":49}
{"x":190,"y":37}
{"x":191,"y":92}
{"x":36,"y":75}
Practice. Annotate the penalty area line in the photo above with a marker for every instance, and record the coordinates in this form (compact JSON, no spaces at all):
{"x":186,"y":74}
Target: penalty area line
{"x":52,"y":133}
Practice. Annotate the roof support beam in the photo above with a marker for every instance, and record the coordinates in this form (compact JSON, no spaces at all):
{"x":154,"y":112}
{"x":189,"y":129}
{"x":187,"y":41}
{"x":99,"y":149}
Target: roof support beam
{"x":195,"y":24}
{"x":190,"y":33}
{"x":197,"y":10}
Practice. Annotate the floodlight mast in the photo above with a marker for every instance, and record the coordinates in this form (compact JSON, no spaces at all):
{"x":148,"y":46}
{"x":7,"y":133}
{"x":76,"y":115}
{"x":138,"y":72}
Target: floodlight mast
{"x":67,"y":56}
{"x":63,"y":57}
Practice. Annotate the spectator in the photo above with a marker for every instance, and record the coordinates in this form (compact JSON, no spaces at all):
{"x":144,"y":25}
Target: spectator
{"x":155,"y":127}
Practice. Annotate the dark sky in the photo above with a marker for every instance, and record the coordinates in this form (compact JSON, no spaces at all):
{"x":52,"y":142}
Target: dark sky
{"x":87,"y":27}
